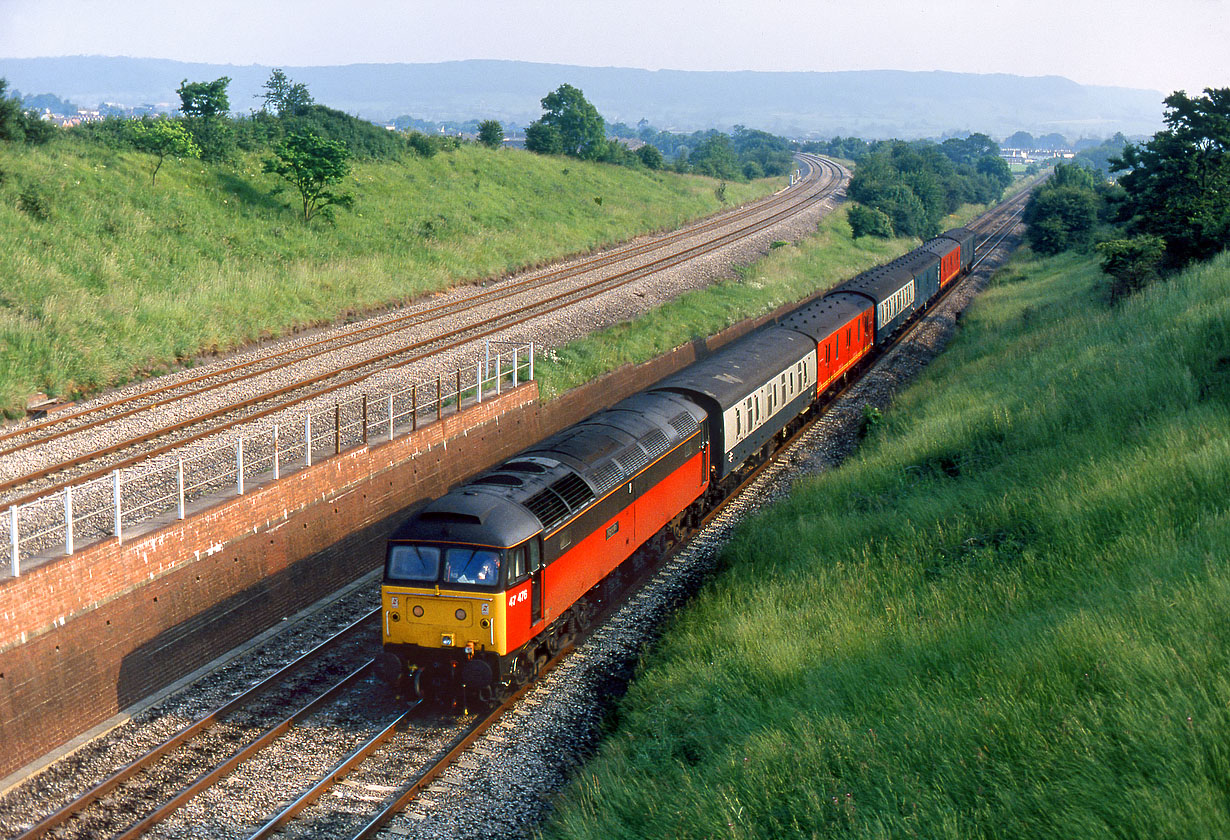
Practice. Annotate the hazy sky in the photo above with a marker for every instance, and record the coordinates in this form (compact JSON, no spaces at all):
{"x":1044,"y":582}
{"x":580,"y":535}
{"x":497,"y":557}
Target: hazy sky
{"x":1160,"y":45}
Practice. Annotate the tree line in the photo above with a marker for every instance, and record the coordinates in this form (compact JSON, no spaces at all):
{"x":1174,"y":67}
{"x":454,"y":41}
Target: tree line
{"x":571,"y":125}
{"x":1169,"y":207}
{"x":906,"y":189}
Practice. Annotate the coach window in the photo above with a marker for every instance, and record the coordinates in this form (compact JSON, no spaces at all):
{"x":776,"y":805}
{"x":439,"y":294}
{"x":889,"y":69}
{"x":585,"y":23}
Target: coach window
{"x":738,"y":421}
{"x":516,"y":564}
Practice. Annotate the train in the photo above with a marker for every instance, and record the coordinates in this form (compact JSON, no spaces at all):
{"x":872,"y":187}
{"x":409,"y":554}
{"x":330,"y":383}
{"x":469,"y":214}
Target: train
{"x":483,"y":585}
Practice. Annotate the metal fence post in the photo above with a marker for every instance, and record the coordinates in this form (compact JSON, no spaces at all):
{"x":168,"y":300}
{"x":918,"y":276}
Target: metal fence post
{"x":531,"y":361}
{"x":118,"y":510}
{"x":459,"y":389}
{"x":390,"y":418}
{"x":478,"y":382}
{"x":307,"y":439}
{"x":365,"y":419}
{"x":514,"y":366}
{"x":439,"y":397}
{"x":277,"y":461}
{"x":239,"y":466}
{"x":337,"y":428}
{"x":181,"y":488}
{"x":498,"y":357}
{"x":13,"y":532}
{"x":68,"y":519}
{"x":414,"y":408}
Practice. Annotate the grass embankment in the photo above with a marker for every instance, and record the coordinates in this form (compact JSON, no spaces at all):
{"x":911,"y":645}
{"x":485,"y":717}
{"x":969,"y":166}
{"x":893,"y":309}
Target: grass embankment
{"x":120,"y":279}
{"x":789,"y":273}
{"x":1005,"y":617}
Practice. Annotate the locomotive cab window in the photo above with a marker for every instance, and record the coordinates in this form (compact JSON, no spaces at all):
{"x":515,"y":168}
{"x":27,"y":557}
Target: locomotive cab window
{"x":472,"y":565}
{"x":516,"y":564}
{"x":413,"y":563}
{"x":535,"y":554}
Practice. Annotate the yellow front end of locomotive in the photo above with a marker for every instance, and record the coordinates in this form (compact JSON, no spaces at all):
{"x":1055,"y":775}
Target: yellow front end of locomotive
{"x":437,"y":619}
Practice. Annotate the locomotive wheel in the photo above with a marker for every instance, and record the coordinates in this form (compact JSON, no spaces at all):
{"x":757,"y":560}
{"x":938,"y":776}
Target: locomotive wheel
{"x":584,"y":614}
{"x":520,"y":672}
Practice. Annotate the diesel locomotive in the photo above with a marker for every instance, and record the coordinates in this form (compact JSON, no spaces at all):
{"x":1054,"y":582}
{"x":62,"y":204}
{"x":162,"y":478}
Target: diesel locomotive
{"x":484,"y":584}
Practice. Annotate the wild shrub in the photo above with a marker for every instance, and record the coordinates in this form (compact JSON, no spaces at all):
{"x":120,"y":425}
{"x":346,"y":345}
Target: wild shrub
{"x":1131,"y":263}
{"x":33,"y":201}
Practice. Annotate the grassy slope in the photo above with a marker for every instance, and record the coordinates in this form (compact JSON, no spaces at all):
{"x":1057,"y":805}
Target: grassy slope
{"x":1004,"y":618}
{"x":124,"y":279}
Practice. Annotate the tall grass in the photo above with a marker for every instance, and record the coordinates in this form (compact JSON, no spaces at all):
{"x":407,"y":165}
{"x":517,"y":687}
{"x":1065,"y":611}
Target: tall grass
{"x":1005,"y":617}
{"x":121,"y":279}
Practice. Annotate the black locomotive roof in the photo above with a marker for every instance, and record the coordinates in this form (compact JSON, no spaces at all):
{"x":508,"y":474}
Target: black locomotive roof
{"x":472,"y":517}
{"x":820,"y":318}
{"x":548,"y":483}
{"x":736,"y":370}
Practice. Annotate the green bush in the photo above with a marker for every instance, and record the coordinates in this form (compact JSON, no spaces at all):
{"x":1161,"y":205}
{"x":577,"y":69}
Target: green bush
{"x":34,"y":203}
{"x":868,"y":221}
{"x":1131,"y":263}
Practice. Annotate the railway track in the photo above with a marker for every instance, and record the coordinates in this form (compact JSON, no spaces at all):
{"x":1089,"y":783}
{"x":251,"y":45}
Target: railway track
{"x":66,"y":448}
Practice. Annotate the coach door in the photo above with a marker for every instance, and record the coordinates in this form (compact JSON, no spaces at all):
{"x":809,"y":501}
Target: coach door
{"x":534,"y":547}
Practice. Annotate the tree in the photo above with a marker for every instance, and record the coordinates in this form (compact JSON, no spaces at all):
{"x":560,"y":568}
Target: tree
{"x":282,"y":96}
{"x":1061,"y":214}
{"x":543,"y":139}
{"x":312,"y":164}
{"x":205,"y":107}
{"x":868,"y":221}
{"x":12,"y":127}
{"x":577,"y":122}
{"x":491,"y":134}
{"x":996,"y":169}
{"x":971,"y":149}
{"x":1131,"y":263}
{"x":1020,"y":140}
{"x":1177,"y":185}
{"x":650,"y":156}
{"x":19,"y":125}
{"x":715,"y":157}
{"x":160,"y":138}
{"x":204,"y":99}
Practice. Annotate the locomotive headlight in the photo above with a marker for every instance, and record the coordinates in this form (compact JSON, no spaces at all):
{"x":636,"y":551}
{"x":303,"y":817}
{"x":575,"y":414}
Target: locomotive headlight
{"x":418,"y":611}
{"x":446,"y":640}
{"x":461,"y":615}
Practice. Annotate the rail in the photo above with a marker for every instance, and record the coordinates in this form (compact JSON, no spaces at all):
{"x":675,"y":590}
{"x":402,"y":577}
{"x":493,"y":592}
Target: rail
{"x":105,"y":507}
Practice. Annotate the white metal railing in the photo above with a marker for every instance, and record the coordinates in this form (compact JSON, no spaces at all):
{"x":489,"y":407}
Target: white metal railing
{"x":101,"y":508}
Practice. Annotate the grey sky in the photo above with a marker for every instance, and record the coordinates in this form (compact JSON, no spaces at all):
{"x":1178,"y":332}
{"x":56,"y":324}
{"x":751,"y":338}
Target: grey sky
{"x":1132,"y":43}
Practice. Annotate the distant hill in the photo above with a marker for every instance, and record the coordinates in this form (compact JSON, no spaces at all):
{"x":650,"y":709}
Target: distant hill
{"x":882,"y":103}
